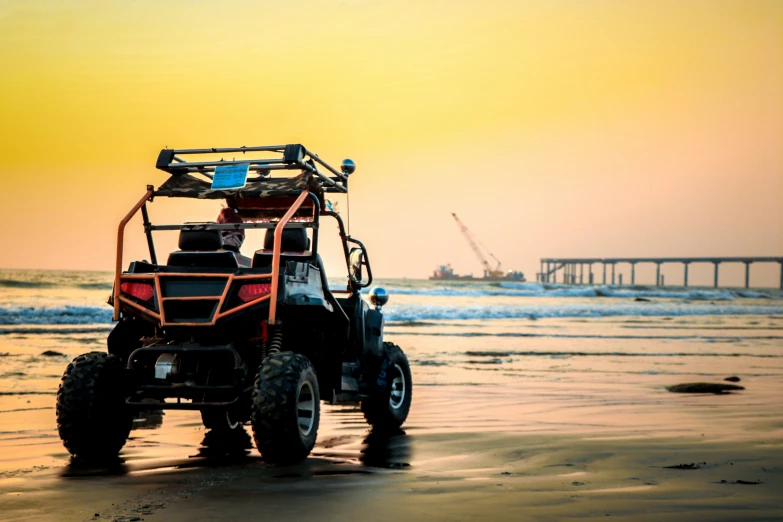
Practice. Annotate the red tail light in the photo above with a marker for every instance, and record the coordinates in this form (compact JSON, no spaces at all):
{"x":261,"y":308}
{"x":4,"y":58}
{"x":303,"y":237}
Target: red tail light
{"x":142,"y":291}
{"x":254,"y":291}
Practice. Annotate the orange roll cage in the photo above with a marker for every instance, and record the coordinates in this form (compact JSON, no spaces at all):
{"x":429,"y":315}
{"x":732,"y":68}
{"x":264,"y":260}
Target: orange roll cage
{"x":155,"y":278}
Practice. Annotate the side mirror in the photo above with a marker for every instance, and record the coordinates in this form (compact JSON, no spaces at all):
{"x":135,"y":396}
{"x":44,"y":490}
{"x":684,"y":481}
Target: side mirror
{"x":355,"y":261}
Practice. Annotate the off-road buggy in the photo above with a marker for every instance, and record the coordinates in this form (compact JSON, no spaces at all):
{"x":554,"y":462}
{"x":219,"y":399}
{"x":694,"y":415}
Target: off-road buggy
{"x":259,"y":340}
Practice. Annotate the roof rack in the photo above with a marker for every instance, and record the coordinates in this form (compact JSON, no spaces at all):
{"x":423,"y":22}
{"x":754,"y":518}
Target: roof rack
{"x":293,"y":157}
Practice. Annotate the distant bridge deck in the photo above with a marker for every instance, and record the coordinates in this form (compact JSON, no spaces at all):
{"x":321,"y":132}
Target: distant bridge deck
{"x":550,"y":267}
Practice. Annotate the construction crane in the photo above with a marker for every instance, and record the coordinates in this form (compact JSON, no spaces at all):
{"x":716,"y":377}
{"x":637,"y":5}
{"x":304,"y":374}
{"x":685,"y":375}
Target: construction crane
{"x":475,"y":244}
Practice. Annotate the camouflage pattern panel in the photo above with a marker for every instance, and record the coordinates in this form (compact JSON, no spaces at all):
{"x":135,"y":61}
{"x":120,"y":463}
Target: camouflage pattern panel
{"x":188,"y":186}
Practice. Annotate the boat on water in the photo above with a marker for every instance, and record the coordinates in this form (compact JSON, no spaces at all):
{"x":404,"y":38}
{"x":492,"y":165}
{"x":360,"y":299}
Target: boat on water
{"x":446,"y":273}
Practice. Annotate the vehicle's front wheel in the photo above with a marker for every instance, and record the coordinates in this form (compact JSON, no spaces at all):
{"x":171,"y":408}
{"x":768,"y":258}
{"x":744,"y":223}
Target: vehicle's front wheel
{"x":92,"y":418}
{"x":388,"y":406}
{"x":286,"y":407}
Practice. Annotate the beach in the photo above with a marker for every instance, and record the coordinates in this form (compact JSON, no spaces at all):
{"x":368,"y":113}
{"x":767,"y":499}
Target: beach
{"x":530,"y":402}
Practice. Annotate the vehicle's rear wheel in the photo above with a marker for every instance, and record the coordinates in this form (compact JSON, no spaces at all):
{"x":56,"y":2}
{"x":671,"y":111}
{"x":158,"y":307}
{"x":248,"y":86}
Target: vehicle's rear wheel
{"x":286,"y":407}
{"x":92,"y":418}
{"x":225,"y":436}
{"x":220,"y":420}
{"x":388,"y":406}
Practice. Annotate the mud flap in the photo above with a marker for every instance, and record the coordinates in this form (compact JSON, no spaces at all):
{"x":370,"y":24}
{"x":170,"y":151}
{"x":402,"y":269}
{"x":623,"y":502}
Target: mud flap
{"x":373,"y":355}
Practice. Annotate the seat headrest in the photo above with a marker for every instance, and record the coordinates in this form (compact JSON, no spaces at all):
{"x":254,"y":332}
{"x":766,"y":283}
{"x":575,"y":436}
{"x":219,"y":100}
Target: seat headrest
{"x":200,"y":240}
{"x":294,"y":240}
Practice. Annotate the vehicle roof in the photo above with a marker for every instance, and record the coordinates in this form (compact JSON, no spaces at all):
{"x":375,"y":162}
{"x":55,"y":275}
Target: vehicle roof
{"x":259,"y":199}
{"x":189,"y":186}
{"x":193,"y":179}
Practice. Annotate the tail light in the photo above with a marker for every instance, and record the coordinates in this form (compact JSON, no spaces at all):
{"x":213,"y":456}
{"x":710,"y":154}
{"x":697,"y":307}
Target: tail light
{"x":142,"y":291}
{"x":254,"y":291}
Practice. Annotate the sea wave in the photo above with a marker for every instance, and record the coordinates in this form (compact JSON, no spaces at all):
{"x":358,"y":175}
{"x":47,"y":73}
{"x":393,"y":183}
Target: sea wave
{"x":406,"y":313}
{"x":14,"y":283}
{"x":54,"y":329}
{"x":490,"y":291}
{"x":95,"y":286}
{"x":415,"y":314}
{"x":516,"y":289}
{"x":68,"y":314}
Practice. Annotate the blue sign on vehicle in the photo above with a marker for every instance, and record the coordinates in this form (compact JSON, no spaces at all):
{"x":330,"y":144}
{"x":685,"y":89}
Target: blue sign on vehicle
{"x":230,"y":177}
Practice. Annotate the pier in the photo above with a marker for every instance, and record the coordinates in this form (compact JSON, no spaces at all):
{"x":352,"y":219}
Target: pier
{"x":572,"y":270}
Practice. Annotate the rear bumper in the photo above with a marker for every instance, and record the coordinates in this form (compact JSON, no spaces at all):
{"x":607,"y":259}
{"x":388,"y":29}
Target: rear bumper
{"x":150,"y":393}
{"x":193,"y":406}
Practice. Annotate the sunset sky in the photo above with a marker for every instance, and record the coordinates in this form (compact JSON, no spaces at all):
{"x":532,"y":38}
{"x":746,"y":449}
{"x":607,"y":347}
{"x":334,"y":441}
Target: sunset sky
{"x":553,"y":128}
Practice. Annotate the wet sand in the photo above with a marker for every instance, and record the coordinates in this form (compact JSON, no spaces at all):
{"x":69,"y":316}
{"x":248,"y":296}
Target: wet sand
{"x":525,"y":418}
{"x":482,"y":452}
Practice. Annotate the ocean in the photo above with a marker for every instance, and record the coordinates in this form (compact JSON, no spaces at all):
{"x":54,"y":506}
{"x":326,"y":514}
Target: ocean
{"x":453,"y":332}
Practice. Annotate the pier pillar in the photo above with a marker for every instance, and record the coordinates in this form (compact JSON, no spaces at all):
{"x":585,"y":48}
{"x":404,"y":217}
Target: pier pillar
{"x":546,"y":274}
{"x":663,"y":283}
{"x":621,"y":279}
{"x":747,"y":274}
{"x":581,"y":273}
{"x":613,"y":273}
{"x":716,"y":273}
{"x":591,"y":276}
{"x":541,"y":273}
{"x":633,"y":273}
{"x":604,"y":272}
{"x":781,"y":276}
{"x":685,"y":275}
{"x":657,"y":274}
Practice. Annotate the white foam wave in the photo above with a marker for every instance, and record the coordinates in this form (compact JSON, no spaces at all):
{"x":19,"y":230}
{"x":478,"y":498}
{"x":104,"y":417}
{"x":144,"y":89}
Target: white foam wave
{"x":408,"y":313}
{"x":67,"y":314}
{"x":12,"y":314}
{"x":631,"y":292}
{"x":516,"y":289}
{"x":488,"y":291}
{"x":694,"y":295}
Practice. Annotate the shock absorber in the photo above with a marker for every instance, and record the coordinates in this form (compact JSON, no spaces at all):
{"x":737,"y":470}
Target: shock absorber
{"x":206,"y":383}
{"x":276,"y":341}
{"x":264,"y":344}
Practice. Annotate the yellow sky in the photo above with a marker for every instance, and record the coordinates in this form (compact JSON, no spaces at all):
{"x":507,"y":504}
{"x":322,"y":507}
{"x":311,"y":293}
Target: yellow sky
{"x":557,"y":128}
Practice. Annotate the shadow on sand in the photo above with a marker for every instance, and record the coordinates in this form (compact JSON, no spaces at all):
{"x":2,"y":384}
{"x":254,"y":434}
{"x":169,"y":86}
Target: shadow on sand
{"x":380,"y":449}
{"x":386,"y":449}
